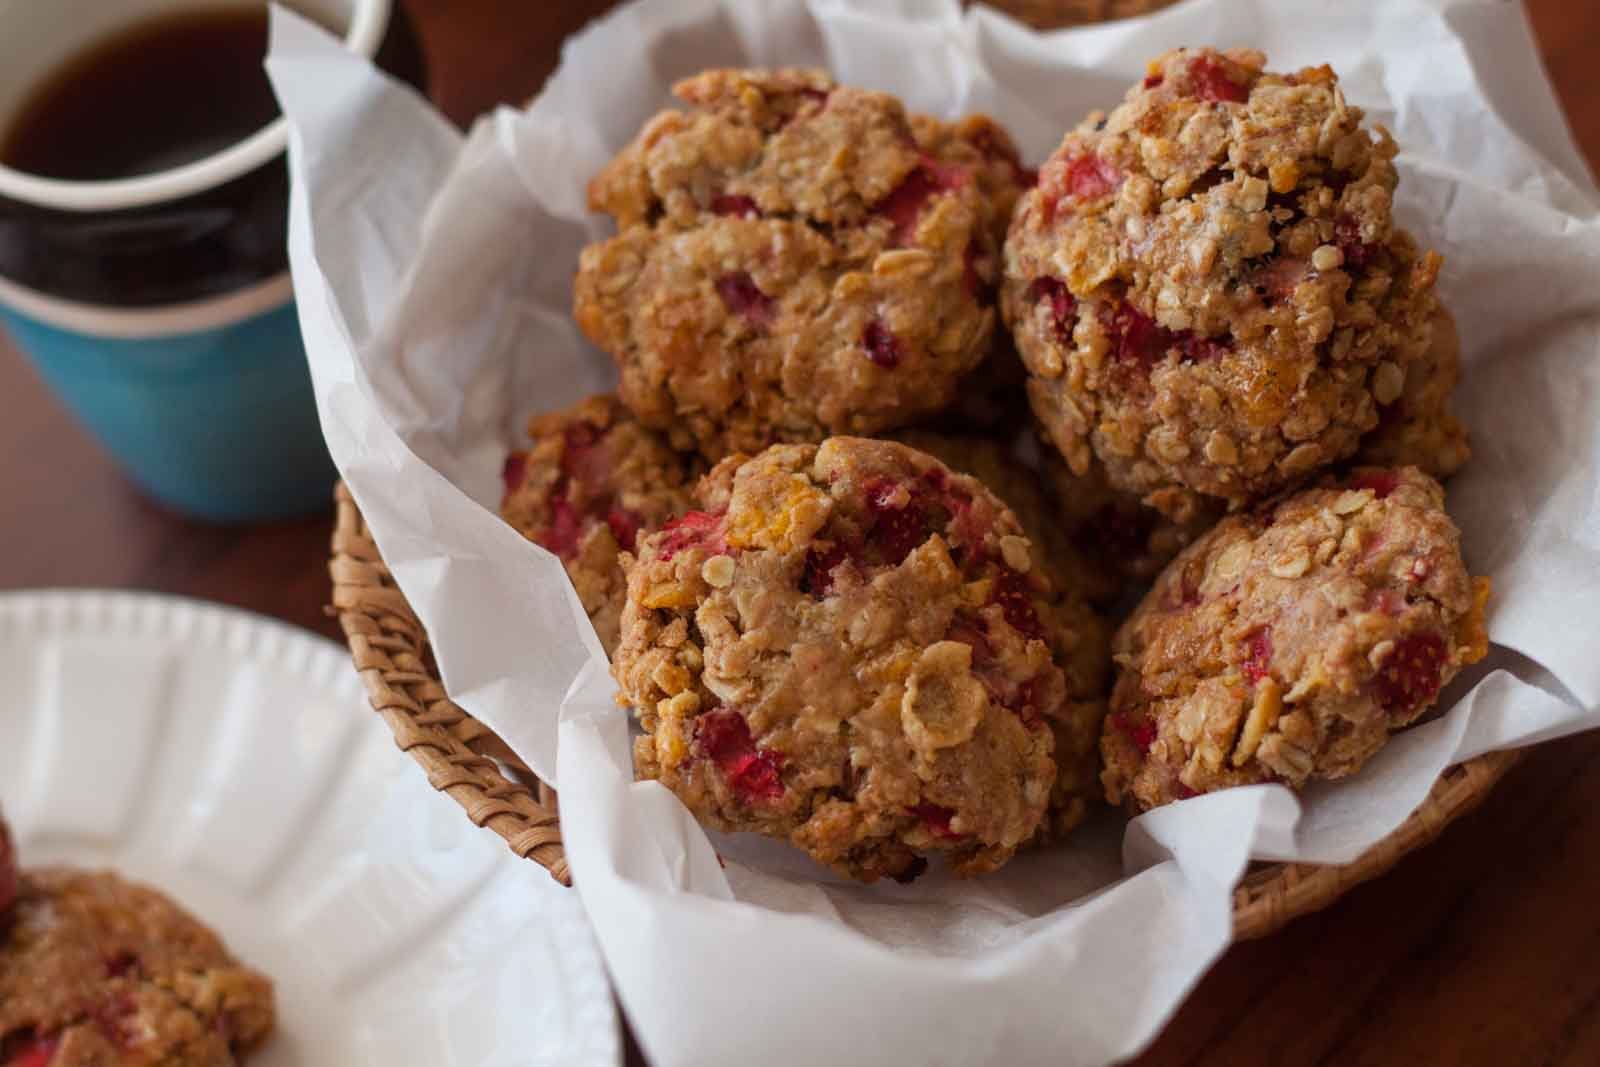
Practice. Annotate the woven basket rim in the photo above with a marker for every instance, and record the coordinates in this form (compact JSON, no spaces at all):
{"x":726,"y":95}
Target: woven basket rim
{"x":465,"y":760}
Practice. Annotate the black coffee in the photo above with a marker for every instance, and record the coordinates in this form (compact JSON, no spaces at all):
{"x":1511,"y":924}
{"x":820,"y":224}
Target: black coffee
{"x":168,"y":91}
{"x":162,"y":93}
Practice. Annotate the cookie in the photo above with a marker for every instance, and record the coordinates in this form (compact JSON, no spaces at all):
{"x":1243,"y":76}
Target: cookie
{"x":790,"y":263}
{"x":856,"y":650}
{"x":1077,"y":752}
{"x":98,"y":971}
{"x":1418,"y":429}
{"x":996,"y":465}
{"x":1288,"y":643}
{"x":1208,"y":287}
{"x":592,"y":481}
{"x":1125,"y":540}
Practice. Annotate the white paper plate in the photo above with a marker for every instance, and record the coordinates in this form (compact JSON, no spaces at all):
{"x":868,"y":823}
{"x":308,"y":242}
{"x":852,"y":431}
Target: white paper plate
{"x":229,"y":760}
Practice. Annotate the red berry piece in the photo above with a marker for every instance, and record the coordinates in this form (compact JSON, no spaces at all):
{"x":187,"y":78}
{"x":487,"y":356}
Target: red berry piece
{"x":1141,"y":342}
{"x":1347,"y":237}
{"x":817,"y":578}
{"x":897,"y":529}
{"x":1382,"y":483}
{"x":937,"y":818}
{"x":34,"y":1052}
{"x":741,"y":296}
{"x":512,"y":470}
{"x":692,"y":529}
{"x":751,"y":772}
{"x":625,"y":526}
{"x":115,"y":1019}
{"x":1063,"y":306}
{"x":121,"y":965}
{"x":582,"y":458}
{"x":881,"y":345}
{"x":1137,"y":338}
{"x":1409,"y":678}
{"x":1211,"y":82}
{"x":970,"y":632}
{"x":1258,"y":655}
{"x":1151,"y":81}
{"x":1078,"y":178}
{"x":1011,"y":592}
{"x":565,"y":529}
{"x":1140,"y":732}
{"x":903,"y":207}
{"x":735,"y":206}
{"x":1386,"y":601}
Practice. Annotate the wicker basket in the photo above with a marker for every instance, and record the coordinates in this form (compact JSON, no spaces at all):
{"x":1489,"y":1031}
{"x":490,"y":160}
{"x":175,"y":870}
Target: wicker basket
{"x":464,"y":759}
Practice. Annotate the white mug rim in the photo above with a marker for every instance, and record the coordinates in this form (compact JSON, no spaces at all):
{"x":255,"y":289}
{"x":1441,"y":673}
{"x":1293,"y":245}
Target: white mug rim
{"x":369,"y":21}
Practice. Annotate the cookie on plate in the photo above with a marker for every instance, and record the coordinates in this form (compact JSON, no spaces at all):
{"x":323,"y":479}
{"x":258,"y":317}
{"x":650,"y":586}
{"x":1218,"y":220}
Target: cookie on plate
{"x":790,"y":263}
{"x":592,"y":481}
{"x":1208,"y":285}
{"x":854,"y":649}
{"x":95,"y":970}
{"x":1290,"y":641}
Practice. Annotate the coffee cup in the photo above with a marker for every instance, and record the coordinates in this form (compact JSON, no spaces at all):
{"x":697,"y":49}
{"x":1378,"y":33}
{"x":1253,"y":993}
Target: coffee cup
{"x":159,"y":307}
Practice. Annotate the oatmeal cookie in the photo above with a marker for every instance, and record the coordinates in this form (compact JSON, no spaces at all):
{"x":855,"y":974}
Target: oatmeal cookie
{"x":97,"y":971}
{"x":1021,"y":489}
{"x":1418,"y":429}
{"x":995,"y":393}
{"x":593,"y":480}
{"x":790,"y":263}
{"x":1125,"y":540}
{"x":1207,"y":284}
{"x":1077,"y":752}
{"x":1290,"y":641}
{"x":856,"y":650}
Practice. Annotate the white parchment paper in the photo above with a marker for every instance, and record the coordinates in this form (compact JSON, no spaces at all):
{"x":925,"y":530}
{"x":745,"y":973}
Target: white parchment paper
{"x":434,"y":280}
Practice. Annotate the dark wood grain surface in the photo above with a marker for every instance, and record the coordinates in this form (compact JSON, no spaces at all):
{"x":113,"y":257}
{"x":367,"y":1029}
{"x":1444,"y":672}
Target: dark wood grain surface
{"x":1482,"y":949}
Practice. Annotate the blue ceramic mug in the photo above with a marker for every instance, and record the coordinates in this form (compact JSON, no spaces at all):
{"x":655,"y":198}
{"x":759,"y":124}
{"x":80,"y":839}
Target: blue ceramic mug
{"x":159,"y":307}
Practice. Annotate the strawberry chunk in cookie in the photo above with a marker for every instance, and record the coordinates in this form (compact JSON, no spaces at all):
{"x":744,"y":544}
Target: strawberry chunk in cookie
{"x":857,"y":650}
{"x":593,"y":480}
{"x":1288,"y":643}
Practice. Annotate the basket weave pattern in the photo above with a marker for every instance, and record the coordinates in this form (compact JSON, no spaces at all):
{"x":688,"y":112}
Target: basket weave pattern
{"x":463,"y":759}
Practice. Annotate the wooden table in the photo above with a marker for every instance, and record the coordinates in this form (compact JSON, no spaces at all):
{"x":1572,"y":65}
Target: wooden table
{"x":1483,"y":949}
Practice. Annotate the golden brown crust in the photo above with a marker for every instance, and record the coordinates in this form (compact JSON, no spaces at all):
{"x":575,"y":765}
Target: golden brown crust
{"x":791,"y":262}
{"x":1418,"y":429}
{"x":593,"y":480}
{"x":1289,"y":642}
{"x":859,"y":651}
{"x":1207,"y":284}
{"x":98,"y":971}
